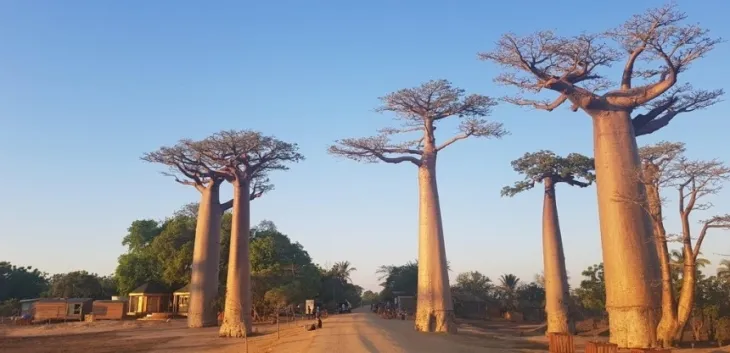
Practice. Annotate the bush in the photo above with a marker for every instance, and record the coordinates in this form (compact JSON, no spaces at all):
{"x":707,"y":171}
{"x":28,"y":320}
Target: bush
{"x":722,"y":330}
{"x":10,"y":307}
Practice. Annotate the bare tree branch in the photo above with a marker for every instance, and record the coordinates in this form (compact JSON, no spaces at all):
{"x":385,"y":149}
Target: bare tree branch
{"x":570,"y":65}
{"x":544,"y":105}
{"x":696,"y":179}
{"x":371,"y":150}
{"x":185,"y":164}
{"x":478,"y":128}
{"x":552,"y":62}
{"x":246,"y":156}
{"x":421,"y":107}
{"x":659,"y":162}
{"x":660,"y":34}
{"x":721,"y":222}
{"x":682,"y":99}
{"x":259,"y":187}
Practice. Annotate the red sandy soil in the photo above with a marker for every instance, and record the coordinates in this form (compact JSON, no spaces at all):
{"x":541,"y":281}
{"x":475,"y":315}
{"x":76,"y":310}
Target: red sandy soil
{"x":358,"y":332}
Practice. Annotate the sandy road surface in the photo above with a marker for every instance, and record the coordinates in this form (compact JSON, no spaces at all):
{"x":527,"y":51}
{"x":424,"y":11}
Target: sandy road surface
{"x":363,"y":332}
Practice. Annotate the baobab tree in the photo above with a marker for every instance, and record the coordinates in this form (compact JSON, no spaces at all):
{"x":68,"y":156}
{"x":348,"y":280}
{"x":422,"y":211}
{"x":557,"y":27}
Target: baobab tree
{"x":420,"y":109}
{"x":656,"y":164}
{"x":244,"y":158}
{"x":570,"y":67}
{"x":665,"y":166}
{"x":549,"y":169}
{"x":694,"y":181}
{"x":188,"y":167}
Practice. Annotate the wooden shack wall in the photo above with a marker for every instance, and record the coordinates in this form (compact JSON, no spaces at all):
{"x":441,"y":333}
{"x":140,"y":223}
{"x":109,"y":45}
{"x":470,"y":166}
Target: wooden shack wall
{"x":109,"y":310}
{"x":87,"y":307}
{"x":50,"y":310}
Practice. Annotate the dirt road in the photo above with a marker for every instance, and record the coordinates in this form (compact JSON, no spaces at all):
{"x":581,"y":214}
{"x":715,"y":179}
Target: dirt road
{"x":363,"y":332}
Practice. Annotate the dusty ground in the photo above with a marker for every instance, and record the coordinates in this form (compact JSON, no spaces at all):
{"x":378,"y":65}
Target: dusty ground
{"x":350,"y":333}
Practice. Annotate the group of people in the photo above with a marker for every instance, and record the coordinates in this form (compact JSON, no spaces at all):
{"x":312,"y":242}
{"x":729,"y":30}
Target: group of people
{"x":315,"y":312}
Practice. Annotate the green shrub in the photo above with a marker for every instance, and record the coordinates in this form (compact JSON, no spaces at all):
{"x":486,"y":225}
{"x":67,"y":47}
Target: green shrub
{"x":10,"y":307}
{"x":722,"y":330}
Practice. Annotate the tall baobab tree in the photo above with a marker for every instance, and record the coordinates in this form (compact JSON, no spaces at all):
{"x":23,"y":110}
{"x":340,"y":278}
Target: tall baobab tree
{"x":188,"y":167}
{"x":244,"y":158}
{"x":570,"y":67}
{"x":420,"y":109}
{"x":549,"y":169}
{"x":656,"y":162}
{"x":664,"y":166}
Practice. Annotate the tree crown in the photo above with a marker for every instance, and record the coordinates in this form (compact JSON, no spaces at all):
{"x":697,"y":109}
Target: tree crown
{"x":575,"y":170}
{"x":571,"y":66}
{"x":233,"y":155}
{"x":419,"y":108}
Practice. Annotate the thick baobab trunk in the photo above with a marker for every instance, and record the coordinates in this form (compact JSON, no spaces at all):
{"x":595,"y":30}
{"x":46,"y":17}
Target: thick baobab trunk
{"x":556,"y":276}
{"x":434,"y":309}
{"x":626,"y":235}
{"x":668,"y":323}
{"x":206,"y":258}
{"x":237,"y":316}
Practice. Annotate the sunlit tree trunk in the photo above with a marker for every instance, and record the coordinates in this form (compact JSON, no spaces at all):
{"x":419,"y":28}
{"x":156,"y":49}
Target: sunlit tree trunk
{"x":237,"y":316}
{"x":556,"y":276}
{"x":689,"y":276}
{"x":626,"y":235}
{"x":434,"y":310}
{"x":668,"y":323}
{"x":206,"y":256}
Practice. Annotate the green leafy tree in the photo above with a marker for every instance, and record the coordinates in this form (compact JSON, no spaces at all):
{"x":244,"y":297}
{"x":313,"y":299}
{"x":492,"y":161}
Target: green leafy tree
{"x":134,"y":269}
{"x":277,"y":262}
{"x":474,"y":283}
{"x":400,"y":280}
{"x":141,"y":234}
{"x":591,"y":293}
{"x":370,"y":297}
{"x":80,"y":284}
{"x":173,"y":248}
{"x":19,"y":282}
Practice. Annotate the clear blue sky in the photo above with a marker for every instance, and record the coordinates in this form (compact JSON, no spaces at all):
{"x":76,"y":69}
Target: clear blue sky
{"x":86,"y":87}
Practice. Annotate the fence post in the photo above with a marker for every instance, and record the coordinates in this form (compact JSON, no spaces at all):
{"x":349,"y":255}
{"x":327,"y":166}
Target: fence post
{"x":560,"y":343}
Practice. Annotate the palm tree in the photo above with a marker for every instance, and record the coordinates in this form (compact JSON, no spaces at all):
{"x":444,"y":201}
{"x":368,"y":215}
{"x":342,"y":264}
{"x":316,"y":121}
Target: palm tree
{"x":343,"y":271}
{"x":677,"y":260}
{"x":723,"y":271}
{"x":509,"y":282}
{"x":508,"y":288}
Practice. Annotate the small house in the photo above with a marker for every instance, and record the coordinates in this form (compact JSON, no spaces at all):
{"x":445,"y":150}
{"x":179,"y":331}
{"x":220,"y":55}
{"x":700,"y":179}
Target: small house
{"x":181,"y":300}
{"x":148,"y":298}
{"x":27,"y":306}
{"x":109,"y":309}
{"x":62,"y":309}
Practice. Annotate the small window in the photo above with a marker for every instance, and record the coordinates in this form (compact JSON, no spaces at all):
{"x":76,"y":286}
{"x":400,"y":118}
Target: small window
{"x":77,"y":309}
